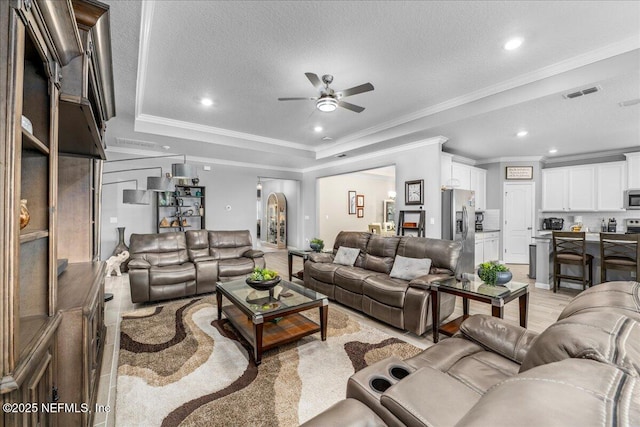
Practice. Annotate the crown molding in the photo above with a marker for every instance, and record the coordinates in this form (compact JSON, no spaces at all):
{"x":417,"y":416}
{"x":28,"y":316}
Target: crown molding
{"x":586,"y":156}
{"x":510,"y":159}
{"x":386,"y":152}
{"x":197,"y":132}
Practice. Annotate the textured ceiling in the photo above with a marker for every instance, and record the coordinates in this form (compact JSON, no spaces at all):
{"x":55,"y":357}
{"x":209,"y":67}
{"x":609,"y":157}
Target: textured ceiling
{"x":438,"y":69}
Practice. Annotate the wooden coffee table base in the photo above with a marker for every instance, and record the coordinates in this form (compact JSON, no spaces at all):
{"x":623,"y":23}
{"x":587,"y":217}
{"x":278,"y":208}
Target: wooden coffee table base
{"x":268,"y":334}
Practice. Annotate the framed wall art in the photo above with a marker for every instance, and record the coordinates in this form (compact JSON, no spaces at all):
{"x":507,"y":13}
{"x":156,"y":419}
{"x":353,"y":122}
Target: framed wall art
{"x":414,"y":192}
{"x":360,"y":201}
{"x":360,"y":212}
{"x":519,"y":172}
{"x":352,"y":202}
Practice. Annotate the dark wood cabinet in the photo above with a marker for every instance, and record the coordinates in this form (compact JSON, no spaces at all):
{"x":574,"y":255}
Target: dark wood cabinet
{"x":81,"y":335}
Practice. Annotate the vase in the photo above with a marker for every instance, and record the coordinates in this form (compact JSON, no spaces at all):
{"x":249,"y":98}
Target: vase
{"x":24,"y":214}
{"x":121,"y":247}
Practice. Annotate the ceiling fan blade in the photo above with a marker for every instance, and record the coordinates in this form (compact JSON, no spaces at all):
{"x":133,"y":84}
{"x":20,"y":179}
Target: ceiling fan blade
{"x":297,"y":99}
{"x":315,"y":81}
{"x":352,"y":107}
{"x":356,"y":90}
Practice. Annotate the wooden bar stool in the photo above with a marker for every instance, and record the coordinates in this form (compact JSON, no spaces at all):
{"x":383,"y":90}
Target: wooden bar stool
{"x":619,"y":252}
{"x":571,"y":248}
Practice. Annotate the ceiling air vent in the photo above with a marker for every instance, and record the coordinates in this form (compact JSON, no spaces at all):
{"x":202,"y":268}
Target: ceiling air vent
{"x":339,"y":156}
{"x":587,"y":91}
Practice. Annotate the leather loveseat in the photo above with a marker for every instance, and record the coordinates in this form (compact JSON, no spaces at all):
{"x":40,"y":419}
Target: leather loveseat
{"x":367,"y":285}
{"x":173,"y":265}
{"x":584,"y":370}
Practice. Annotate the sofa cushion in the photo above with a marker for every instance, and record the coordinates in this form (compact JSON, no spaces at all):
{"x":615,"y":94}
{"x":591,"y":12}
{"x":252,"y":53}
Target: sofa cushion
{"x":346,"y":256}
{"x":386,"y":290}
{"x":572,"y":392}
{"x":380,"y":253}
{"x":351,"y":278}
{"x":607,"y":337}
{"x":622,"y":297}
{"x":443,"y":253}
{"x":229,"y":244}
{"x":197,"y":243}
{"x":235,"y":267}
{"x":353,"y":239}
{"x":159,"y":249}
{"x":410,"y":268}
{"x":322,"y":271}
{"x":170,"y":274}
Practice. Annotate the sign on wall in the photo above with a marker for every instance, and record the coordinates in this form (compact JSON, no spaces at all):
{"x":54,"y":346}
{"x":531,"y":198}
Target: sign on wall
{"x":519,"y":172}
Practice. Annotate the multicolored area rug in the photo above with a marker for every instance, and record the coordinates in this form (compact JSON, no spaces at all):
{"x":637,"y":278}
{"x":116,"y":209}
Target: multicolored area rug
{"x":180,"y":367}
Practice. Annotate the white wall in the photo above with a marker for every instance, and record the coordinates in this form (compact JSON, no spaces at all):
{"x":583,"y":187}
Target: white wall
{"x":333,"y":209}
{"x":226,"y":185}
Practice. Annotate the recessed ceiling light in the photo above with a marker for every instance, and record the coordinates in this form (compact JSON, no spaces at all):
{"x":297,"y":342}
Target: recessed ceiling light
{"x":522,"y":133}
{"x":553,"y":151}
{"x":207,"y":102}
{"x":513,"y":43}
{"x":318,"y":128}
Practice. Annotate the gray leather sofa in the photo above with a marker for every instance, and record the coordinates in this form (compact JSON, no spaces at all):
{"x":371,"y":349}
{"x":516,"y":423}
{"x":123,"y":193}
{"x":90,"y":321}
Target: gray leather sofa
{"x":367,"y":286}
{"x":584,"y":370}
{"x":173,"y":265}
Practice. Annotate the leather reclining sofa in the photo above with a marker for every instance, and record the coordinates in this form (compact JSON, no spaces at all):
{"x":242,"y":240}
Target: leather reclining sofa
{"x":179,"y":264}
{"x":584,"y":370}
{"x":367,"y":285}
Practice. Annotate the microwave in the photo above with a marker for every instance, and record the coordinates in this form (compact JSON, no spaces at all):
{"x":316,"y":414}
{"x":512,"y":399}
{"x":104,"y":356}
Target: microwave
{"x":632,"y":199}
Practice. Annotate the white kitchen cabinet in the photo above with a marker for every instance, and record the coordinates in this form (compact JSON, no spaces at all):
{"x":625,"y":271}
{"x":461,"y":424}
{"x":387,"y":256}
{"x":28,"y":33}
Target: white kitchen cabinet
{"x":554,"y":189}
{"x":479,"y":186}
{"x":582,"y":188}
{"x":479,"y":251}
{"x":611,"y":183}
{"x":445,"y":169}
{"x":633,"y":170}
{"x":491,"y":246}
{"x":461,"y":173}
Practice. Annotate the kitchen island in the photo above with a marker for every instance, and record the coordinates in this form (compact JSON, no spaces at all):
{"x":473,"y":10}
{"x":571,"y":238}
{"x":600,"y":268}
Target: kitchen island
{"x":544,"y":262}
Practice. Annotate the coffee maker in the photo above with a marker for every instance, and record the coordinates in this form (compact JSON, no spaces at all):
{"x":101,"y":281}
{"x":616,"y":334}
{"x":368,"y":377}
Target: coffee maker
{"x":479,"y":219}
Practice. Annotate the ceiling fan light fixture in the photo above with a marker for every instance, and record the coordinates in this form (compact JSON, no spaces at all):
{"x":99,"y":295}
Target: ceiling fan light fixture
{"x":327,"y":104}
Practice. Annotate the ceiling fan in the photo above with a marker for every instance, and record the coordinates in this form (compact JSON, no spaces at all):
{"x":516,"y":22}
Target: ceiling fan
{"x":329,"y":99}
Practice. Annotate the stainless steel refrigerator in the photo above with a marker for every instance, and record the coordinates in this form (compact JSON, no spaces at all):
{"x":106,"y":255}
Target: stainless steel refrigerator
{"x":458,"y":223}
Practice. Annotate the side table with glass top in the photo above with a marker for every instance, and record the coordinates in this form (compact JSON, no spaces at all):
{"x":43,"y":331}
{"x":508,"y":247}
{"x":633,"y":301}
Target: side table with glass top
{"x":472,"y":288}
{"x":302,"y":253}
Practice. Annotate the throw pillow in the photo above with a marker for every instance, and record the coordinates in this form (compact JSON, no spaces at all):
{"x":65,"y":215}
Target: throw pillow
{"x":410,"y":268}
{"x":346,"y":256}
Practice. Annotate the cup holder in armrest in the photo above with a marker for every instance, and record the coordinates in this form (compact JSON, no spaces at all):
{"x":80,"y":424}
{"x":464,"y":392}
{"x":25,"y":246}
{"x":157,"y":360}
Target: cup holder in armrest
{"x":379,"y":384}
{"x":398,"y":372}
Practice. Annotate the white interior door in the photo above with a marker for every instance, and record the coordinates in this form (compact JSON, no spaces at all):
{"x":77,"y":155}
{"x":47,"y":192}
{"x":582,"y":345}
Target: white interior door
{"x":518,"y":221}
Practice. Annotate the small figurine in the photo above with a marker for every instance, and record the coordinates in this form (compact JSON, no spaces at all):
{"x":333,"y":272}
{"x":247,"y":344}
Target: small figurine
{"x":113,"y":263}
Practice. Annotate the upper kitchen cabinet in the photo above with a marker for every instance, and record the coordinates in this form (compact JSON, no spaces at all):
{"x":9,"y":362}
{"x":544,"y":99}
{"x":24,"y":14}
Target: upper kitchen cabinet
{"x":458,"y":175}
{"x":87,"y":97}
{"x":554,"y":189}
{"x":585,"y":188}
{"x":582,"y":185}
{"x":611,"y":185}
{"x":633,"y":170}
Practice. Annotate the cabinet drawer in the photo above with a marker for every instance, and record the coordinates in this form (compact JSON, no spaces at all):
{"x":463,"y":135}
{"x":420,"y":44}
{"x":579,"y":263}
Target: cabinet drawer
{"x":492,"y":235}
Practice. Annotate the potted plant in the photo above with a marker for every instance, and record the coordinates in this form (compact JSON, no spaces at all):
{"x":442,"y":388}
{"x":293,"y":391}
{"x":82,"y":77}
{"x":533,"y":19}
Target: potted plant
{"x":317,"y":244}
{"x":493,"y":273}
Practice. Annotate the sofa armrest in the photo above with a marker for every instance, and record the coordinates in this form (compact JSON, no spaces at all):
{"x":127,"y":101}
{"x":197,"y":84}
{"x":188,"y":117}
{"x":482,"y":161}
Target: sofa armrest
{"x":424,"y":282}
{"x":139,"y":264}
{"x":506,"y":339}
{"x":321,"y":257}
{"x":429,"y":397}
{"x":253,"y":253}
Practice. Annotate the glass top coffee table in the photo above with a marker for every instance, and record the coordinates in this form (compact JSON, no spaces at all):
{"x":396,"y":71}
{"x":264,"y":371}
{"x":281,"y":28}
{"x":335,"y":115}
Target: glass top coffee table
{"x":268,"y":319}
{"x":472,"y":287}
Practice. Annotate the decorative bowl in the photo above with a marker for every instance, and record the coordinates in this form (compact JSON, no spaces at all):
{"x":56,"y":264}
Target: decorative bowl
{"x":262,"y":285}
{"x":502,"y":277}
{"x":315,"y":246}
